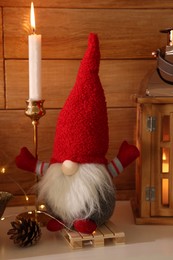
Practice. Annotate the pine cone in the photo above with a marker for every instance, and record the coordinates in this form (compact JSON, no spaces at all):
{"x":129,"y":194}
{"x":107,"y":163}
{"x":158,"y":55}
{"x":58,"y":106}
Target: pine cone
{"x":25,"y":232}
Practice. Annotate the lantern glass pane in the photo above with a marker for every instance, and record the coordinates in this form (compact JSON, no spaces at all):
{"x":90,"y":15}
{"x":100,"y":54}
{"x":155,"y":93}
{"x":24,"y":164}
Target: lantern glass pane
{"x":165,"y":192}
{"x":165,"y":159}
{"x":165,"y":126}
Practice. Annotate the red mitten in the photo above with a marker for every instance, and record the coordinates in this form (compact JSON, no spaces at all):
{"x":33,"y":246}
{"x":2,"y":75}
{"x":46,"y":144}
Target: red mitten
{"x":126,"y":155}
{"x":25,"y":160}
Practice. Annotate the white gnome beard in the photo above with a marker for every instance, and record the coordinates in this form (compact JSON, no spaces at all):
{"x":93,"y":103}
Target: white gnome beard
{"x":77,"y":196}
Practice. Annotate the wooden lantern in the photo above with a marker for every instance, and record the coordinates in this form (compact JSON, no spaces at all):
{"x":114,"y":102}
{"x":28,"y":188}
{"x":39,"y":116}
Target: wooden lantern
{"x":154,"y":173}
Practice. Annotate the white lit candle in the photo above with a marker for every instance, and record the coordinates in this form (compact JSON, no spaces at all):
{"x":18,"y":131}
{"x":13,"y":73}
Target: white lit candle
{"x":165,"y":192}
{"x":171,"y":38}
{"x":34,"y":41}
{"x":165,"y":163}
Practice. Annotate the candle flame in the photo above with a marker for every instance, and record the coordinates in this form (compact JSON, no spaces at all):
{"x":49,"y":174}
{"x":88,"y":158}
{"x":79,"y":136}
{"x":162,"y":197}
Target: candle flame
{"x":164,"y":156}
{"x":32,"y":17}
{"x":3,"y":170}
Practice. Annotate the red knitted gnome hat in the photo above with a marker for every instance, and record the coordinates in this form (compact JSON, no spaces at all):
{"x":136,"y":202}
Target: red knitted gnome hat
{"x":82,"y":127}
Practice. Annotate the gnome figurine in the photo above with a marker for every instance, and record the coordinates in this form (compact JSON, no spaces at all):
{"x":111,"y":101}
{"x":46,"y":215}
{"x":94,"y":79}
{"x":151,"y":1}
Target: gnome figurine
{"x":76,"y":185}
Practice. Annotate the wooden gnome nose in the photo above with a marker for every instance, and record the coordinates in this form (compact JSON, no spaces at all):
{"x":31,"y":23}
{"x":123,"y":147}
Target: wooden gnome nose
{"x":69,"y":168}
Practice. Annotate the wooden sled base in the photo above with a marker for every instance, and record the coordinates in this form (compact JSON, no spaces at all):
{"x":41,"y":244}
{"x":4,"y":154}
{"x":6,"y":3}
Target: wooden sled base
{"x":100,"y":237}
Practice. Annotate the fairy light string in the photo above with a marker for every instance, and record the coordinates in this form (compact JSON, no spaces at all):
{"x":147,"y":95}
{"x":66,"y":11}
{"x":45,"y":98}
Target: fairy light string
{"x":38,"y":212}
{"x":3,"y":171}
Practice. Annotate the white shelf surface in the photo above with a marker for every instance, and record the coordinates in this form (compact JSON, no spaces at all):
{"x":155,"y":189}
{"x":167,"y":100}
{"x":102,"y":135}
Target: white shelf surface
{"x":143,"y":242}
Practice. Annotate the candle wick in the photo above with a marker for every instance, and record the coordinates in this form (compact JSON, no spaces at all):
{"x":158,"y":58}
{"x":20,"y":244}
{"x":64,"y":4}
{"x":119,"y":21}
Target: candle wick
{"x":33,"y":30}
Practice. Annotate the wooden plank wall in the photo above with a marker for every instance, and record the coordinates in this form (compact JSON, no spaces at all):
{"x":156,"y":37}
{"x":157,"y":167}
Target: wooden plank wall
{"x":128,"y":31}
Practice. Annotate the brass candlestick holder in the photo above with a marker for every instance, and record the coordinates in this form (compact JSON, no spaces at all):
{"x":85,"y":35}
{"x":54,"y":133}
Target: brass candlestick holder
{"x":35,"y":111}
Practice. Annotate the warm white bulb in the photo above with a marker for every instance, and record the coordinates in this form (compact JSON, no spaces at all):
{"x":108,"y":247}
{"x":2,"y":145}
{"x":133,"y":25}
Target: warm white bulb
{"x":3,"y":170}
{"x":26,"y":197}
{"x":42,"y":206}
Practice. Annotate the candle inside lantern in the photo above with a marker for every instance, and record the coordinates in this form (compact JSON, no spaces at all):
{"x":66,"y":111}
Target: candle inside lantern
{"x":165,"y":181}
{"x":34,"y":41}
{"x":165,"y":160}
{"x":171,"y":38}
{"x":165,"y":163}
{"x":165,"y":192}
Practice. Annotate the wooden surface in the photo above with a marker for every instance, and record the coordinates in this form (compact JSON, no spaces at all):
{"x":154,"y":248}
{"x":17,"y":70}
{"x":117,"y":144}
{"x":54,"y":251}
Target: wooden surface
{"x":93,"y":4}
{"x":123,"y":33}
{"x":143,"y":173}
{"x":155,"y":100}
{"x":126,"y":42}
